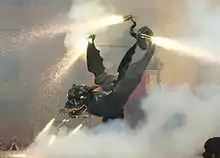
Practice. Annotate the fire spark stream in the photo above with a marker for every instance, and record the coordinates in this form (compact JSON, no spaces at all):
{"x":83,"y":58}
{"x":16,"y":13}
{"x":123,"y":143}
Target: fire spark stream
{"x":46,"y":128}
{"x":20,"y":40}
{"x":72,"y":56}
{"x":76,"y":130}
{"x":62,"y":68}
{"x":185,"y":50}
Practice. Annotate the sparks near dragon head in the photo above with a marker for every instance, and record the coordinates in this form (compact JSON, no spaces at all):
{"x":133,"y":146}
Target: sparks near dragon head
{"x":109,"y":94}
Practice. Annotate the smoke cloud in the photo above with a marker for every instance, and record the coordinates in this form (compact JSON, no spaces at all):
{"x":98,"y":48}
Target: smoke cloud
{"x":87,"y":13}
{"x":179,"y":122}
{"x":201,"y":35}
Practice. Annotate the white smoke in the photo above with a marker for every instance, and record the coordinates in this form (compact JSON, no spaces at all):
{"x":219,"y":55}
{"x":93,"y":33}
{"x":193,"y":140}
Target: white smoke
{"x":203,"y":33}
{"x":85,"y":12}
{"x":179,"y":121}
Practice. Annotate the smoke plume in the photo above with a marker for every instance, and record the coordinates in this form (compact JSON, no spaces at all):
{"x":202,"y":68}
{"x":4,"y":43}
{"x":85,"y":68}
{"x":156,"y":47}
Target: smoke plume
{"x":179,"y":122}
{"x":201,"y":36}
